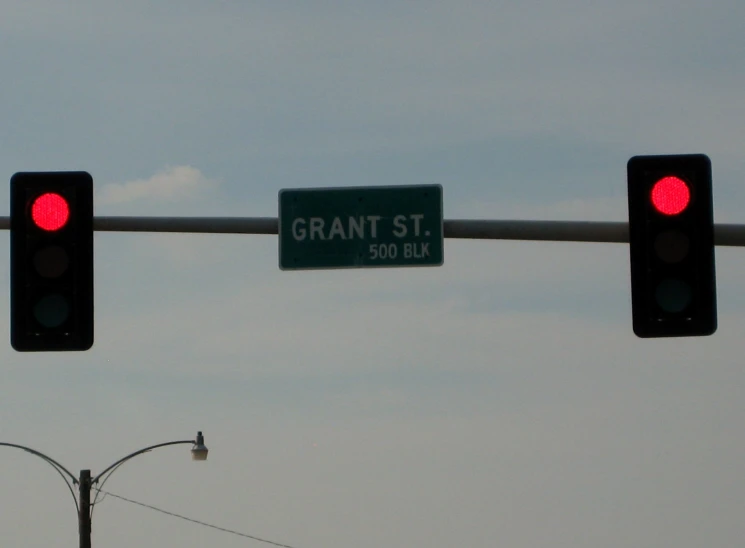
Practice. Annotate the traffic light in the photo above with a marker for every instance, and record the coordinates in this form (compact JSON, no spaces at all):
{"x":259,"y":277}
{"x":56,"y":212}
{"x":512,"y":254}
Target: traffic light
{"x":51,"y":261}
{"x":671,"y":241}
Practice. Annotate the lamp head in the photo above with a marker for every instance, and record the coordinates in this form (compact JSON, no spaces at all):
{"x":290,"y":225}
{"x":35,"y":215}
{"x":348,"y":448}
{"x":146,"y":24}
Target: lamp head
{"x":199,"y":451}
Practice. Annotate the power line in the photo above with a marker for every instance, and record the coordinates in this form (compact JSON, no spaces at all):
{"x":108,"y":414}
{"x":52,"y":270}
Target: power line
{"x":192,"y":520}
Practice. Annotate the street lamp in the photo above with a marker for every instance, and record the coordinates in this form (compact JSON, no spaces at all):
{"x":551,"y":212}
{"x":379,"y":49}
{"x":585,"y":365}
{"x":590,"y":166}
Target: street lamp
{"x":199,"y":451}
{"x":86,"y":482}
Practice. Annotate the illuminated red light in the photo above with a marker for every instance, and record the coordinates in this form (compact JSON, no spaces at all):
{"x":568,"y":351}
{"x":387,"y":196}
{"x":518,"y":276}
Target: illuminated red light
{"x":50,"y":211}
{"x":670,"y":195}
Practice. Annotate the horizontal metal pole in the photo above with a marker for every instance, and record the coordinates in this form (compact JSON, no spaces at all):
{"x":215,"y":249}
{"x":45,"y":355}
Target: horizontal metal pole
{"x":557,"y":231}
{"x":204,"y":225}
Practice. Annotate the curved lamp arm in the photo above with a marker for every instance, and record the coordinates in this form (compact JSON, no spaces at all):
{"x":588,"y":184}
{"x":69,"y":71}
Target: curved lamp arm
{"x":61,"y":470}
{"x":198,"y":444}
{"x":113,"y":468}
{"x":140,"y":452}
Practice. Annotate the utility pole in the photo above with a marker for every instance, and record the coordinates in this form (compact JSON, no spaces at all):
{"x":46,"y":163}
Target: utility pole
{"x":84,"y":512}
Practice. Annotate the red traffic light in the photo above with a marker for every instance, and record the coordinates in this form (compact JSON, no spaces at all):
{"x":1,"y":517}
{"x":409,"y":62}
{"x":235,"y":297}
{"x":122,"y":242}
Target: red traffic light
{"x":51,"y":261}
{"x":50,"y":211}
{"x":670,"y":195}
{"x":671,"y":245}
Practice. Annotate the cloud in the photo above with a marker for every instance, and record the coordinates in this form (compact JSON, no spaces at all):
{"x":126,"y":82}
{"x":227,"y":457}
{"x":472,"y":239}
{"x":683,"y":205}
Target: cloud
{"x":170,"y":184}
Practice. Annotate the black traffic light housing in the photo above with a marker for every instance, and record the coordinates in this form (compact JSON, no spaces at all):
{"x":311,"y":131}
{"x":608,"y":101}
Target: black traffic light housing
{"x":671,"y":241}
{"x":51,"y":261}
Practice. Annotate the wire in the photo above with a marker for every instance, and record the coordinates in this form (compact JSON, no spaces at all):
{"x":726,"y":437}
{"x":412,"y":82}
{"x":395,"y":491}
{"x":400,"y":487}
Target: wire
{"x":98,"y":490}
{"x":96,"y":501}
{"x":190,"y":519}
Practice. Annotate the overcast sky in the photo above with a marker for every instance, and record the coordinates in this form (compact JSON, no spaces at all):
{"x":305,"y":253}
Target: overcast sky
{"x":498,"y":400}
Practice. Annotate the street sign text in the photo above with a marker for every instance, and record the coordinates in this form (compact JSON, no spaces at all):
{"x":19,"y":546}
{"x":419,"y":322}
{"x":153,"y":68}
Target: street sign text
{"x":360,"y":227}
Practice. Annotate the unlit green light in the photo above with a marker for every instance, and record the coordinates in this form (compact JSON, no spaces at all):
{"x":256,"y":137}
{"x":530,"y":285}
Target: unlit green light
{"x":52,"y":310}
{"x":673,"y":295}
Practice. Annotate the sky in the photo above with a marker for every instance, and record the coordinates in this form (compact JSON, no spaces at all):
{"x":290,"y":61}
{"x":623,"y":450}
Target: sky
{"x":500,"y":399}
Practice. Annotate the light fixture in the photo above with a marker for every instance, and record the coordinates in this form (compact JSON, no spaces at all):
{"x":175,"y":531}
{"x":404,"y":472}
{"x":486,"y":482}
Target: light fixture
{"x":199,"y":451}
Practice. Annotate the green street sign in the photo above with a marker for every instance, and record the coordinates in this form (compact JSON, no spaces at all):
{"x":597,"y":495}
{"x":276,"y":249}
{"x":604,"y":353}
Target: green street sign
{"x":360,"y":227}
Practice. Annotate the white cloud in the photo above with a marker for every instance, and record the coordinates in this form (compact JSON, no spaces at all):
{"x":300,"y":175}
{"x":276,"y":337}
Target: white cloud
{"x":170,"y":184}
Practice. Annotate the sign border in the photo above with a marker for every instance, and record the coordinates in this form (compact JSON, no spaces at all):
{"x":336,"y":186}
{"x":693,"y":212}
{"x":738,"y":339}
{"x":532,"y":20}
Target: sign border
{"x":437,"y":186}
